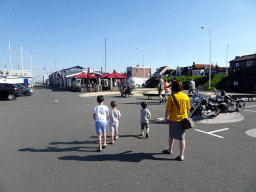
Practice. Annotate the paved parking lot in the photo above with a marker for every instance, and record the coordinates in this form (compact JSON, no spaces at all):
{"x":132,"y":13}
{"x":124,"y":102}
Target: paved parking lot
{"x":48,"y":143}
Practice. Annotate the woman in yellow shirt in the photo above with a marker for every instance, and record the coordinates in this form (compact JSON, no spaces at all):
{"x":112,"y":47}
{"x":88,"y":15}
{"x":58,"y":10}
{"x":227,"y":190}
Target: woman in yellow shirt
{"x":175,"y":116}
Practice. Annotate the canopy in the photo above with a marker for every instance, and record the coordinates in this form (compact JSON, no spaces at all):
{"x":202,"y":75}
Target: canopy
{"x":104,"y":76}
{"x":116,"y":75}
{"x":81,"y":76}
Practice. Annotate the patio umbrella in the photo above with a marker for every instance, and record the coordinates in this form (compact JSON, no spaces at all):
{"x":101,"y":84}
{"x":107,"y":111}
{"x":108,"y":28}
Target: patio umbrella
{"x":81,"y":76}
{"x":88,"y":76}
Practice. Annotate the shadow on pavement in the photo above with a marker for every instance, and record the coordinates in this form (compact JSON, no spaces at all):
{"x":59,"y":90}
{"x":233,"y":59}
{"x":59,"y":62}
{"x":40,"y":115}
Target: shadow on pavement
{"x":118,"y":135}
{"x":124,"y":157}
{"x":73,"y":143}
{"x":56,"y":149}
{"x":54,"y":89}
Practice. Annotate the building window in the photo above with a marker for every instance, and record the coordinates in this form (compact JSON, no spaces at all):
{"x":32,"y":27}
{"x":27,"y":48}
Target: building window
{"x":237,"y":65}
{"x":25,"y":74}
{"x":16,"y":74}
{"x":135,"y":70}
{"x":249,"y":63}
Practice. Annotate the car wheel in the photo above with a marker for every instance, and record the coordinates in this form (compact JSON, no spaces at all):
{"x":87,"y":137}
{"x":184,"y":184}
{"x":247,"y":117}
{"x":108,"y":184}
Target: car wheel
{"x":11,"y":97}
{"x":26,"y":93}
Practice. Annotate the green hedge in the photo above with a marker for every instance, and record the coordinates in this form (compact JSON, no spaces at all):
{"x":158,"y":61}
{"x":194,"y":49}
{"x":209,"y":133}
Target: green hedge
{"x":216,"y":79}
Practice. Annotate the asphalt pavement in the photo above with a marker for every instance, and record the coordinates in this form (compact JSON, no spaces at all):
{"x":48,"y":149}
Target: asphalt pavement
{"x":48,"y":143}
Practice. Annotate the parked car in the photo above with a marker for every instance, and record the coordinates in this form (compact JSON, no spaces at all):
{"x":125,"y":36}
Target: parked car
{"x":25,"y":90}
{"x":9,"y":91}
{"x":24,"y":84}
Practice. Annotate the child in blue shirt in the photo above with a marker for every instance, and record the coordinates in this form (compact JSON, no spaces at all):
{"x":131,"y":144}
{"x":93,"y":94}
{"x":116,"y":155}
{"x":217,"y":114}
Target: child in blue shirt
{"x":101,"y":115}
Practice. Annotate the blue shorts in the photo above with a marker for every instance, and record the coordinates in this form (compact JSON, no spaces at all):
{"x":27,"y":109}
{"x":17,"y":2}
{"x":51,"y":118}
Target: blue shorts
{"x":100,"y":127}
{"x":144,"y":125}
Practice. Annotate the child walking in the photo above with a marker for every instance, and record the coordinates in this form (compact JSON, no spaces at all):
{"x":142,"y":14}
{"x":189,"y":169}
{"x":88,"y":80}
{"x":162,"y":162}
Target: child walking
{"x":101,"y":115}
{"x":114,"y":116}
{"x":144,"y":119}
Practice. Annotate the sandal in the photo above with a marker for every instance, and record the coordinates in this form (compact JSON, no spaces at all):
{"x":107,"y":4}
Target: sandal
{"x":112,"y":143}
{"x":117,"y":138}
{"x":98,"y":150}
{"x":103,"y":147}
{"x":167,"y":151}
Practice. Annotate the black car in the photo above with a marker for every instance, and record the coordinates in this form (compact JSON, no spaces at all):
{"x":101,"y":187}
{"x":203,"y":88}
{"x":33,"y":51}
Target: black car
{"x":9,"y":91}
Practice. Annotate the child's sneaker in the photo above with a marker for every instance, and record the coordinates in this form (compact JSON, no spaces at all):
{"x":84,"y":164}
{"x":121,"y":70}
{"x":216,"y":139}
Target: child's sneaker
{"x":141,"y":135}
{"x":146,"y":135}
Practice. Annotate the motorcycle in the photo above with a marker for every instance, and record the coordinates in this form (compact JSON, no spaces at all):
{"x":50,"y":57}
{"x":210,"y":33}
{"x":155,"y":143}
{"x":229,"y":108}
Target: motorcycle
{"x":228,"y":102}
{"x":202,"y":106}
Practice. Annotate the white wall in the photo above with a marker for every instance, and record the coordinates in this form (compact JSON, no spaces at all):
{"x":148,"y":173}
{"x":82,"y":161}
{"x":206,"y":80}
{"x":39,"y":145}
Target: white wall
{"x":138,"y":80}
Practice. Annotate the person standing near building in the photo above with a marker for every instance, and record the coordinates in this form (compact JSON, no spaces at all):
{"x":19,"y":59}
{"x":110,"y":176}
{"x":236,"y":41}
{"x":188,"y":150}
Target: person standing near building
{"x":160,"y":88}
{"x":191,"y":86}
{"x":166,"y":88}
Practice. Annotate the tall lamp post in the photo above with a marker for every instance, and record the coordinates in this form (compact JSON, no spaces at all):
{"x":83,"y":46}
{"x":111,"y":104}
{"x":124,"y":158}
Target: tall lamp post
{"x":143,"y":63}
{"x":227,"y":61}
{"x":210,"y":58}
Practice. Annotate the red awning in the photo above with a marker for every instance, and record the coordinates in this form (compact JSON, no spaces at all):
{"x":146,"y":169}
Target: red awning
{"x":116,"y":75}
{"x":81,"y":76}
{"x":104,"y":76}
{"x":84,"y":76}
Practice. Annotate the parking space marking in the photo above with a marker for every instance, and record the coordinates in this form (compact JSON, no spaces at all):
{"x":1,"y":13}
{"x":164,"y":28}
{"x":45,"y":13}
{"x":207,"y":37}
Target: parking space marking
{"x":251,"y":132}
{"x":210,"y":133}
{"x":250,"y":111}
{"x":250,"y":106}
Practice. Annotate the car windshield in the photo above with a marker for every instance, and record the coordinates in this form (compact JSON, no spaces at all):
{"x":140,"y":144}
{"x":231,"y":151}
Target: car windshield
{"x":19,"y":86}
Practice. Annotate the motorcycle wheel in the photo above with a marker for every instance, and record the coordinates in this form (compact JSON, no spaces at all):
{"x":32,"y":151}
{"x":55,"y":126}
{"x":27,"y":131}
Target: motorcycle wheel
{"x":240,"y":106}
{"x":217,"y":112}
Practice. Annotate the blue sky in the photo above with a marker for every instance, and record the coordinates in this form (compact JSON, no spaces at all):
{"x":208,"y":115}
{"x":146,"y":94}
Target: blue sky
{"x":73,"y":32}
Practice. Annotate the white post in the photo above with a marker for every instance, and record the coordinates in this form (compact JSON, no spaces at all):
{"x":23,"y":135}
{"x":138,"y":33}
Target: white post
{"x":210,"y":57}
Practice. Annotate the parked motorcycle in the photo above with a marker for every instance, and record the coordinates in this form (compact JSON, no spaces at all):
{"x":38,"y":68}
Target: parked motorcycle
{"x":228,"y":102}
{"x":202,"y":106}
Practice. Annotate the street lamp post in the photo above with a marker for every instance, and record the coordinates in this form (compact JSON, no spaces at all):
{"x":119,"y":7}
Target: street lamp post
{"x":227,"y":61}
{"x":143,"y":63}
{"x":210,"y":58}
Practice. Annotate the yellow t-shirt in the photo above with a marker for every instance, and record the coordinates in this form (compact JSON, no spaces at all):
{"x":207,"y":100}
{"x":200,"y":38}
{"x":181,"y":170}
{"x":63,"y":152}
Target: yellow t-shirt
{"x":184,"y":104}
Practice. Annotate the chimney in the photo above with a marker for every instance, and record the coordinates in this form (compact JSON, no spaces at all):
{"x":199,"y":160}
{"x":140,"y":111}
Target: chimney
{"x":194,"y":63}
{"x":237,"y":57}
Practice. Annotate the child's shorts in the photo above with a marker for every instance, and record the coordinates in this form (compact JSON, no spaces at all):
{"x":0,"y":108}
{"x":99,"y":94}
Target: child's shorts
{"x":113,"y":127}
{"x":144,"y":125}
{"x":100,"y":127}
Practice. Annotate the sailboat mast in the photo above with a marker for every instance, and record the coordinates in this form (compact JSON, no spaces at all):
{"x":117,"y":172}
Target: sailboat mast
{"x":105,"y":55}
{"x":21,"y":61}
{"x":31,"y":68}
{"x":10,"y":52}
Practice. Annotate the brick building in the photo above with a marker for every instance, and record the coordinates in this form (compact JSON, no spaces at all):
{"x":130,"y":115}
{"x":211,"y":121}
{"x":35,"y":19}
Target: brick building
{"x":242,"y":62}
{"x":138,"y":75}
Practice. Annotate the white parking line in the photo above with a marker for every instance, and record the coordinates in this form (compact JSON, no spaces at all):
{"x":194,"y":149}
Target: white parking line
{"x":210,"y":133}
{"x":250,"y":111}
{"x":251,"y":106}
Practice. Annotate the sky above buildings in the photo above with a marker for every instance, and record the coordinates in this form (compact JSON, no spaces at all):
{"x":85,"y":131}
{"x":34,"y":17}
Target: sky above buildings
{"x":166,"y":33}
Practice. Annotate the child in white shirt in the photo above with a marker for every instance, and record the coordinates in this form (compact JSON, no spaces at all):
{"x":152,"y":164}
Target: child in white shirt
{"x":101,"y":115}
